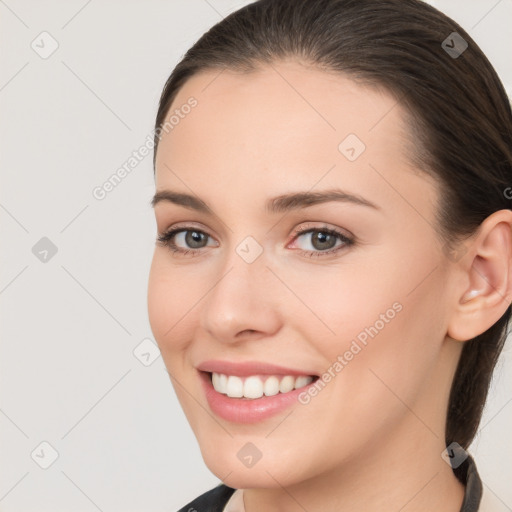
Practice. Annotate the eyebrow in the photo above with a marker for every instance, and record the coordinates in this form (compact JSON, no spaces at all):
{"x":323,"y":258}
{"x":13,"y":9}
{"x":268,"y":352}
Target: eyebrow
{"x":279,"y":204}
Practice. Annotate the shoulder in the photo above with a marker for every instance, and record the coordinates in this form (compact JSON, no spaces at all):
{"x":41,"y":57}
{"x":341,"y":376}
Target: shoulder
{"x":210,"y":501}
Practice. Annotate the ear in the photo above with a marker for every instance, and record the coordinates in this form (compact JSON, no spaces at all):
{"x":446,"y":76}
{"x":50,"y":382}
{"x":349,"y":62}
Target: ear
{"x":485,"y":292}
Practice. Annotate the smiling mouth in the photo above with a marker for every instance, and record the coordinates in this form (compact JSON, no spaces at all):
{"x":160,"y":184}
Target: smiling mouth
{"x":252,"y":387}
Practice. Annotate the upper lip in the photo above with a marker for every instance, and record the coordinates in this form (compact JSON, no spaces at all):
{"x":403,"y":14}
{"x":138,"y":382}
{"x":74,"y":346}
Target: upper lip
{"x":246,"y":368}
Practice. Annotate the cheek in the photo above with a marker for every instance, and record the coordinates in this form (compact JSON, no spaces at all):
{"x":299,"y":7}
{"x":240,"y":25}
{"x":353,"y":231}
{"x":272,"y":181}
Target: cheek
{"x":375,"y":329}
{"x":170,"y":303}
{"x":171,"y":314}
{"x":340,"y":304}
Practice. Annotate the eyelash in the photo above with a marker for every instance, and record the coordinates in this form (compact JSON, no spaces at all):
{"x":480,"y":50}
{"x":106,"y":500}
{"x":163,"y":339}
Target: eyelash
{"x":166,"y":240}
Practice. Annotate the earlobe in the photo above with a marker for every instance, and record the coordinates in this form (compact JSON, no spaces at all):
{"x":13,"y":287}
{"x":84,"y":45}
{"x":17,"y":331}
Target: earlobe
{"x":488,"y":276}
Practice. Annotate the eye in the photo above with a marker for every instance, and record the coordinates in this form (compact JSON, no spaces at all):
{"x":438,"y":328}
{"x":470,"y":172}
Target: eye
{"x":184,"y":240}
{"x":321,"y":240}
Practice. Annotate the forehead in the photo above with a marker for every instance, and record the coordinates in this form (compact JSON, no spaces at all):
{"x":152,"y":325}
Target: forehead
{"x":281,"y":122}
{"x":280,"y":103}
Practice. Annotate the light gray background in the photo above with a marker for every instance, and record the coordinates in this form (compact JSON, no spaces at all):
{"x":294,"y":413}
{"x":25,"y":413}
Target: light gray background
{"x":68,"y":373}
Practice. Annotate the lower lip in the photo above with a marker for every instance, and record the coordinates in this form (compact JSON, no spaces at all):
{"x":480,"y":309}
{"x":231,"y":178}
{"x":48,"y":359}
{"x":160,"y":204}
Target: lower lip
{"x":244,"y":410}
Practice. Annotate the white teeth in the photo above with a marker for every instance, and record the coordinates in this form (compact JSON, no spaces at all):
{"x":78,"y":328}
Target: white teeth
{"x":302,"y":381}
{"x":220,"y":382}
{"x":271,"y":386}
{"x":253,"y":387}
{"x":223,"y":383}
{"x":235,"y":387}
{"x":256,"y":386}
{"x":287,"y":384}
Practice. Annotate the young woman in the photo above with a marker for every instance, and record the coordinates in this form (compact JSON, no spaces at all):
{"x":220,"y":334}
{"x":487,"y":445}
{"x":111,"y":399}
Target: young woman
{"x":331,"y":284}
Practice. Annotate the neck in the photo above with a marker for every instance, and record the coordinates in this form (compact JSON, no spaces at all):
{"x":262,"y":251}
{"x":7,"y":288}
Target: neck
{"x":406,"y":474}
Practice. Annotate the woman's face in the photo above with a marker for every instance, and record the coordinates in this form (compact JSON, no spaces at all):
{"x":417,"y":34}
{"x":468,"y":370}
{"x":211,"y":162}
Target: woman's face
{"x":365,"y":307}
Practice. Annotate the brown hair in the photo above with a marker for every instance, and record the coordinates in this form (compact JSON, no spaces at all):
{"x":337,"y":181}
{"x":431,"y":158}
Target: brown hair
{"x":458,"y":112}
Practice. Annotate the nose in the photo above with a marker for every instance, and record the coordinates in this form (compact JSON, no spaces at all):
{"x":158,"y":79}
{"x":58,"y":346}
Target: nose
{"x":243,"y":300}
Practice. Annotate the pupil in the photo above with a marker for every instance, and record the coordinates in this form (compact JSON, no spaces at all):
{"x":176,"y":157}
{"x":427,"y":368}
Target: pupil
{"x":193,"y":237}
{"x":323,"y":238}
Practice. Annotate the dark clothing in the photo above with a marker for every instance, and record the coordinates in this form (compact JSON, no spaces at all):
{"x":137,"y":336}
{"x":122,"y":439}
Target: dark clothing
{"x":213,"y":500}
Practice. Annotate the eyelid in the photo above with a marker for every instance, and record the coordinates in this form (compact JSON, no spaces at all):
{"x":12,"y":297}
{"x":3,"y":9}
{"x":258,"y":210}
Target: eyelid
{"x":308,"y":226}
{"x":187,"y":226}
{"x":301,"y":229}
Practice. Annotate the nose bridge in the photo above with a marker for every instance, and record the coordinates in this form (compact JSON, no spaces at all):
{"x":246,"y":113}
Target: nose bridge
{"x":241,"y":296}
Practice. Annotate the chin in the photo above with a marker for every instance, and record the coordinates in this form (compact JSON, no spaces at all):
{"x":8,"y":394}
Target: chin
{"x":267,"y":474}
{"x":250,"y":478}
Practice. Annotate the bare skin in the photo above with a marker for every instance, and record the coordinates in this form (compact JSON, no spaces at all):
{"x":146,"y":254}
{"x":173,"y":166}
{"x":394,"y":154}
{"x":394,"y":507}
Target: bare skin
{"x":372,"y":439}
